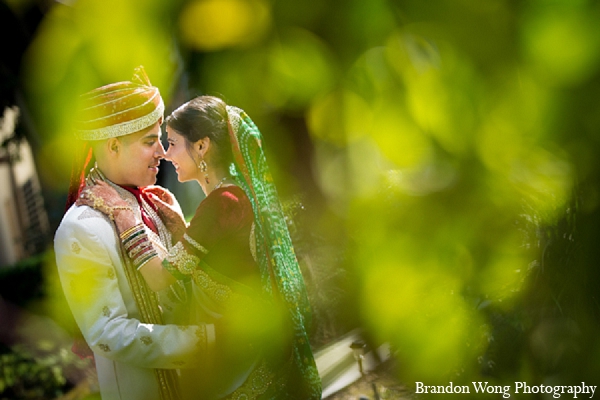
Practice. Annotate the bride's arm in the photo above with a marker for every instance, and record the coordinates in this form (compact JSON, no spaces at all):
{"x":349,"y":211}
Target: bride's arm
{"x":141,"y":252}
{"x":216,"y":216}
{"x":156,"y":276}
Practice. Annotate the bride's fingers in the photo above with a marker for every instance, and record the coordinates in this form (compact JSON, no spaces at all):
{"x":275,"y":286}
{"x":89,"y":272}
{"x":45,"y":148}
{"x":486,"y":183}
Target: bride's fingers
{"x":83,"y":200}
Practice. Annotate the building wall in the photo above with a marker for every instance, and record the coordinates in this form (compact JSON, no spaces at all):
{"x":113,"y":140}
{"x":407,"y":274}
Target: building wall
{"x":9,"y":249}
{"x":23,"y":219}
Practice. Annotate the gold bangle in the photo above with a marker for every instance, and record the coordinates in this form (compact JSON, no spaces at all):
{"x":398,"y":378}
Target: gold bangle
{"x":125,"y":235}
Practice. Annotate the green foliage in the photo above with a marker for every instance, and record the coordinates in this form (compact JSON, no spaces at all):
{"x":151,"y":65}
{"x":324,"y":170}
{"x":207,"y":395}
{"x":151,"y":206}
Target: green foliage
{"x":447,"y":151}
{"x":40,"y":366}
{"x":23,"y":281}
{"x":27,"y":376}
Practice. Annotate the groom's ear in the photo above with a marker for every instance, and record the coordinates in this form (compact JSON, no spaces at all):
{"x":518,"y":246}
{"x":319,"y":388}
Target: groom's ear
{"x":113,"y":146}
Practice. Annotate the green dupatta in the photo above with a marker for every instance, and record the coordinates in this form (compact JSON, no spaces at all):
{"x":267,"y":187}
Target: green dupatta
{"x":280,"y":273}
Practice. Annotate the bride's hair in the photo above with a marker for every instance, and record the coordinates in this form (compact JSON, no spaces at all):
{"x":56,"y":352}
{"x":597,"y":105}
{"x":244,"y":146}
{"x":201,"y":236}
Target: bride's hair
{"x":204,"y":116}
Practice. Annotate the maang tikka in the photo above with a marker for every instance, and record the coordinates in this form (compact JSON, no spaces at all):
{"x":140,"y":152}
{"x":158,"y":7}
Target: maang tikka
{"x":204,"y":168}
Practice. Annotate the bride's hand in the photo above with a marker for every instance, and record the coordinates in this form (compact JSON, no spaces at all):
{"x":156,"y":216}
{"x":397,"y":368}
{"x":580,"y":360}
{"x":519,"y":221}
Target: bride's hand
{"x":105,"y":199}
{"x":160,"y":194}
{"x":168,"y":209}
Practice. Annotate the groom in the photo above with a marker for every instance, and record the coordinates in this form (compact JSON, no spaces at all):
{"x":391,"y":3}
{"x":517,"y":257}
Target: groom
{"x":137,"y":352}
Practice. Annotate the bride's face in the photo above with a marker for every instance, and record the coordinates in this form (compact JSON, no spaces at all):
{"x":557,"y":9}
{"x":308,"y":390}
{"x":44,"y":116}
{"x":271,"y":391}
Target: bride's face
{"x":179,"y":155}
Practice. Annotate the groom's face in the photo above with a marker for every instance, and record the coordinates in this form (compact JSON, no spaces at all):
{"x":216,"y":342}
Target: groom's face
{"x":139,"y":157}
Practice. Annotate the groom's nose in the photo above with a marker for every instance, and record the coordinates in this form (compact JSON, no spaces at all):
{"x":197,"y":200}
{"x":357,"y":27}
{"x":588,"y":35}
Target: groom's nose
{"x":160,"y":151}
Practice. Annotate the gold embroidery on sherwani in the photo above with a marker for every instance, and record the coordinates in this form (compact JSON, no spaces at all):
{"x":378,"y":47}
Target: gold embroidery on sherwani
{"x":104,"y":347}
{"x":163,"y":232}
{"x":106,"y":311}
{"x":75,"y":248}
{"x":111,"y":273}
{"x":146,"y":340}
{"x":146,"y":300}
{"x":147,"y":303}
{"x":202,"y":337}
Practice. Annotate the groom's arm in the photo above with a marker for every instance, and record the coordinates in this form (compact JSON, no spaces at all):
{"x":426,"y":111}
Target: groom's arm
{"x":93,"y":291}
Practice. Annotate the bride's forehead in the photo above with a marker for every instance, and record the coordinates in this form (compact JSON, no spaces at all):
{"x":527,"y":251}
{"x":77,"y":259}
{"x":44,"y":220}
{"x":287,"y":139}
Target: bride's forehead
{"x":172,"y":134}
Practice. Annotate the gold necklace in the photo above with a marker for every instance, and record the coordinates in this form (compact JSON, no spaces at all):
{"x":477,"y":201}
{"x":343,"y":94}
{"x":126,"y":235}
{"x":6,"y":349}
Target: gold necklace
{"x":218,"y":185}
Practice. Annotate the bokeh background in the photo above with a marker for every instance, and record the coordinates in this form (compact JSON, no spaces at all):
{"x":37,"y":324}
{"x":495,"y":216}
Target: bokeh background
{"x":438,"y":160}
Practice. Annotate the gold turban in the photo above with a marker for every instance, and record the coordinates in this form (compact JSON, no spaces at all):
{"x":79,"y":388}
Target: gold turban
{"x":109,"y":111}
{"x":119,"y":109}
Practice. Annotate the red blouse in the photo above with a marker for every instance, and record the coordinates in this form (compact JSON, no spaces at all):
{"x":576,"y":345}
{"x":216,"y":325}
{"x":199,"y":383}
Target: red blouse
{"x":222,"y":225}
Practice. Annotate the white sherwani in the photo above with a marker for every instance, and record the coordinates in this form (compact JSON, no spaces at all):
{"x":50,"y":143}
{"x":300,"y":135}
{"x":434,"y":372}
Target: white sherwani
{"x":134,"y":359}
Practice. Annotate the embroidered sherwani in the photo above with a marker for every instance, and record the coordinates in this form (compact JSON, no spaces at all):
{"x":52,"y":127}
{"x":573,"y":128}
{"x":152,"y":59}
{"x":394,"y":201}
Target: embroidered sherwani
{"x":136,"y":353}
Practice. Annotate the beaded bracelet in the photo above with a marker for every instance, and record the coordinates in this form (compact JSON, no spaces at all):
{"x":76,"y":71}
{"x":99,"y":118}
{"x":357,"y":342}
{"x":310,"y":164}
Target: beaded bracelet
{"x":124,"y":208}
{"x":138,"y":245}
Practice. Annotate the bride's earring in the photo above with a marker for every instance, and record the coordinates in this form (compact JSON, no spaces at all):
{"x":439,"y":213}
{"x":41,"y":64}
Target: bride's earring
{"x":204,"y":168}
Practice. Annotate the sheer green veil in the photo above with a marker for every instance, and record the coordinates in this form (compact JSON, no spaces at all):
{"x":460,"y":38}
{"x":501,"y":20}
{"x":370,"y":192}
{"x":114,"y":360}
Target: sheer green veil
{"x":280,"y":272}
